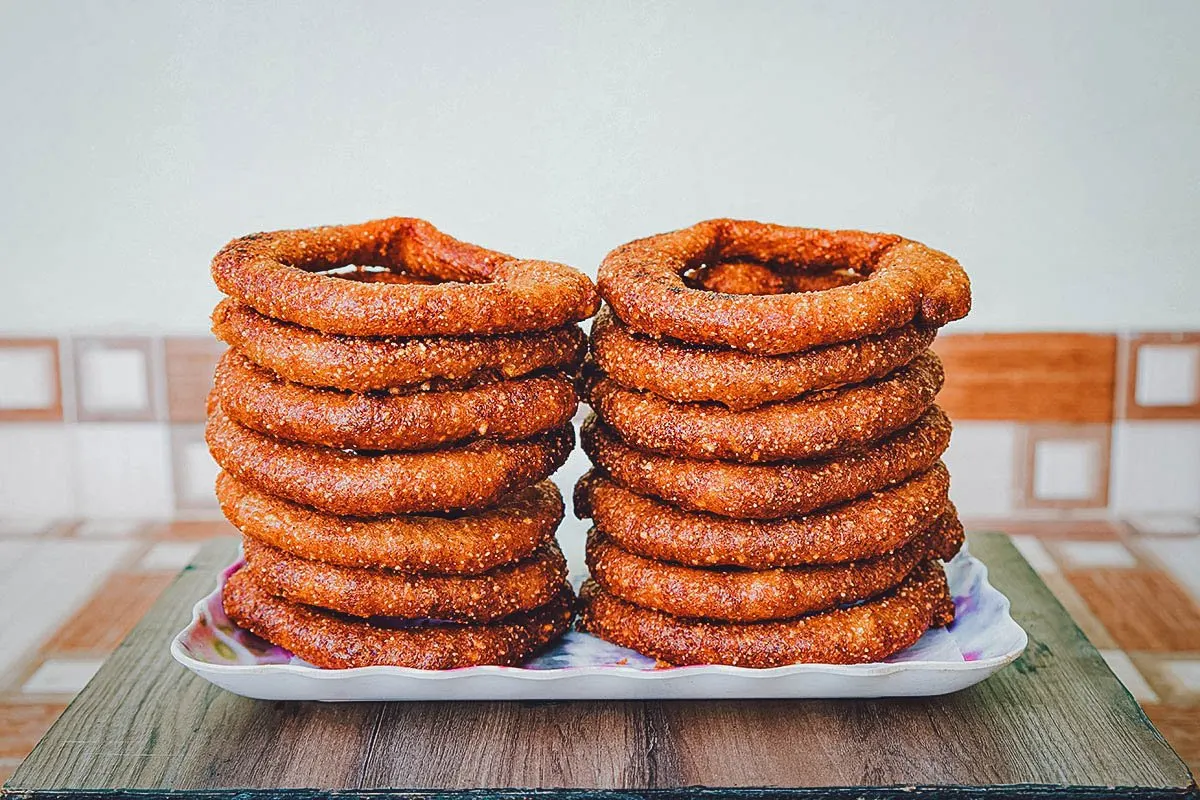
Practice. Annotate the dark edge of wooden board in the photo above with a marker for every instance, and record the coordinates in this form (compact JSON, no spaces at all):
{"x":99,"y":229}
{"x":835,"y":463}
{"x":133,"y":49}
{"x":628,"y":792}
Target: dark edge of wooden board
{"x":216,"y":554}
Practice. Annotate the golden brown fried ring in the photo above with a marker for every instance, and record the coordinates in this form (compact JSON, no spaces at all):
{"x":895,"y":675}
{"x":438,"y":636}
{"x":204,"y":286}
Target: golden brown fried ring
{"x":739,"y":595}
{"x":353,"y":484}
{"x":362,"y":364}
{"x":859,"y":634}
{"x":331,"y":641}
{"x":475,"y":291}
{"x":811,"y":427}
{"x":863,"y":528}
{"x":690,"y":374}
{"x":504,"y":410}
{"x":518,"y":586}
{"x":907,"y":282}
{"x":459,"y":544}
{"x":769,"y":491}
{"x":746,"y":277}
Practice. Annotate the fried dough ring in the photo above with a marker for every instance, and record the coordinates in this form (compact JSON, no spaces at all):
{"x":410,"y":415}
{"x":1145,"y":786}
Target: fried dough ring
{"x":503,"y":410}
{"x":907,"y":282}
{"x":363,"y":364}
{"x":518,"y":586}
{"x":737,"y":595}
{"x":328,"y":640}
{"x":461,"y":544}
{"x":477,"y":291}
{"x":352,"y":484}
{"x":769,"y":491}
{"x":864,"y":633}
{"x":689,"y":374}
{"x":811,"y":427}
{"x":869,"y":526}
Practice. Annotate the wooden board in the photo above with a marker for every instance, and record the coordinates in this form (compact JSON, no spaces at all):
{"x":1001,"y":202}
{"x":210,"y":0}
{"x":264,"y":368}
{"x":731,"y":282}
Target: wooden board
{"x":1029,"y":377}
{"x":1056,"y":719}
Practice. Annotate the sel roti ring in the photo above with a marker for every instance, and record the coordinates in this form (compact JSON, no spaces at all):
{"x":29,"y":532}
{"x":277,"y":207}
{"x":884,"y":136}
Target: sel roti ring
{"x":505,"y":410}
{"x":477,"y":291}
{"x":906,"y":282}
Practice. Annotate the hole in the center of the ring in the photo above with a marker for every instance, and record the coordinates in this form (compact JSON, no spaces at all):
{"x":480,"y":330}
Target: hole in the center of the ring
{"x":368,"y":274}
{"x":747,"y":277}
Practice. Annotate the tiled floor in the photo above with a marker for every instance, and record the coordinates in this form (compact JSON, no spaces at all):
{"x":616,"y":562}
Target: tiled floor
{"x":1134,"y":588}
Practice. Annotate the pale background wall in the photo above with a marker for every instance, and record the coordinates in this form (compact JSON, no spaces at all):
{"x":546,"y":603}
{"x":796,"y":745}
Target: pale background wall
{"x":1052,"y":147}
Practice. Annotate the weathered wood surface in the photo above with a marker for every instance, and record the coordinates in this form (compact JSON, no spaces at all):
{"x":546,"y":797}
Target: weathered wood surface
{"x":1057,"y":718}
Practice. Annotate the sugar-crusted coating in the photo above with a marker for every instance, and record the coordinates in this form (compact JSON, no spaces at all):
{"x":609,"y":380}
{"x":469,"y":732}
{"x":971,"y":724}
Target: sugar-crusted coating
{"x":740,"y":595}
{"x":446,"y":544}
{"x":690,"y":374}
{"x":366,"y":364}
{"x":862,"y":633}
{"x":369,"y":485}
{"x":474,"y":291}
{"x":332,"y":641}
{"x":812,"y":426}
{"x":369,"y":592}
{"x":768,"y":491}
{"x":506,"y":410}
{"x":907,"y":282}
{"x":868,"y":526}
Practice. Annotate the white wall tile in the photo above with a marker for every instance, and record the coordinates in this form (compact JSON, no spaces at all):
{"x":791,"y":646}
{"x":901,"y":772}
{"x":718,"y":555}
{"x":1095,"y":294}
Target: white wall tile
{"x":113,"y":380}
{"x":37,"y":471}
{"x":1033,"y":551}
{"x":1065,"y":469}
{"x":1156,"y":466}
{"x":980,"y":460}
{"x":1095,"y":555}
{"x":1167,"y":374}
{"x":169,"y":556}
{"x":1181,"y":558}
{"x":195,"y":469}
{"x":62,"y":675}
{"x":28,"y":377}
{"x":1122,"y":666}
{"x":124,"y":470}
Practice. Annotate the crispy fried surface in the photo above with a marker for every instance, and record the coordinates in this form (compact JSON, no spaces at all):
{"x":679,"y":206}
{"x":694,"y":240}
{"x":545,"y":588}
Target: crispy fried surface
{"x":863,"y":528}
{"x":457,"y":544}
{"x":332,"y":641}
{"x":769,"y":491}
{"x":690,"y":374}
{"x":810,"y":427}
{"x":354,"y":484}
{"x":871,"y":631}
{"x":907,"y":282}
{"x":507,"y":410}
{"x":473,"y":290}
{"x":366,"y":364}
{"x":364,"y":592}
{"x":740,"y":595}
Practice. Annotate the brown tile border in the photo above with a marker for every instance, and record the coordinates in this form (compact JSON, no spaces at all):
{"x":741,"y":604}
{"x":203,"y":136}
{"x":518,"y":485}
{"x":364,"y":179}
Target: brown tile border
{"x":50,"y":413}
{"x":1028,"y":377}
{"x":147,"y":346}
{"x":1025,"y":465}
{"x":1132,"y":347}
{"x":189,"y":363}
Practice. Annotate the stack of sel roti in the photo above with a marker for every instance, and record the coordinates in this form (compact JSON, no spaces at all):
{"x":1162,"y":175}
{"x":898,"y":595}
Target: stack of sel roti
{"x":386,"y":417}
{"x":767,"y":486}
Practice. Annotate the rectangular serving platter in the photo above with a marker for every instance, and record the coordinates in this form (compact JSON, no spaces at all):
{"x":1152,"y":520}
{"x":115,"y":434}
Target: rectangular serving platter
{"x":982,"y":639}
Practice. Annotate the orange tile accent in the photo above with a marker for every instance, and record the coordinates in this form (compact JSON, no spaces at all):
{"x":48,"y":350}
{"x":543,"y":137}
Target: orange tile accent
{"x":7,"y":768}
{"x":23,"y":724}
{"x":1131,"y":408}
{"x":52,"y":412}
{"x":1029,"y":377}
{"x":1091,"y":626}
{"x":190,"y":361}
{"x":1143,"y":609}
{"x":1181,"y":727}
{"x":192,"y":530}
{"x":1027,"y":458}
{"x":110,"y":615}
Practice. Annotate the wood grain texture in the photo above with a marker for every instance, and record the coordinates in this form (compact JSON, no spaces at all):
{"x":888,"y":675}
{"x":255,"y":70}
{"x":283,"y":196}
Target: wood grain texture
{"x":1055,"y":719}
{"x":1028,"y":377}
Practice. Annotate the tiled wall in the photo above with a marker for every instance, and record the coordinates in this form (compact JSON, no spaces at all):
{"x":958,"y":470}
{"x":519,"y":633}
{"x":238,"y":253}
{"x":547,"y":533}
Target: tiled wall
{"x":1081,"y":424}
{"x":105,"y":427}
{"x":1045,"y":425}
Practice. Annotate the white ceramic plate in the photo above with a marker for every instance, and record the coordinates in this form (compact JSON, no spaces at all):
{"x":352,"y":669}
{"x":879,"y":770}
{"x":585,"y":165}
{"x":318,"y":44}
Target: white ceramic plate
{"x":982,"y":639}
